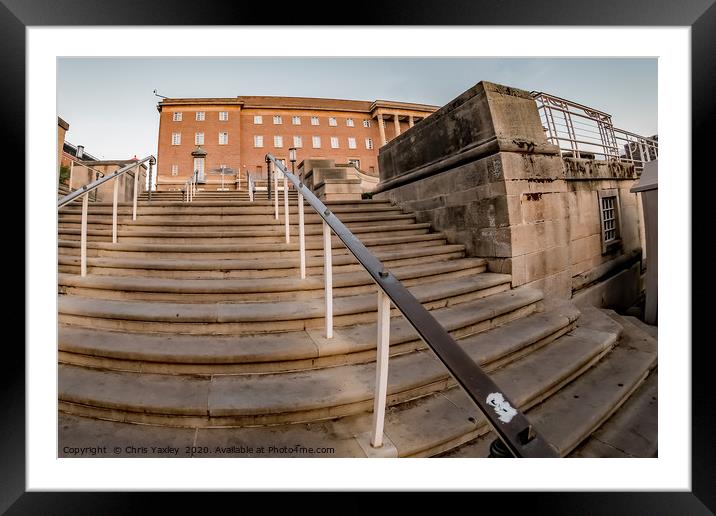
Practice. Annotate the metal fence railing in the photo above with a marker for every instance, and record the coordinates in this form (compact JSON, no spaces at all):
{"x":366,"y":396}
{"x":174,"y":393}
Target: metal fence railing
{"x":584,"y":132}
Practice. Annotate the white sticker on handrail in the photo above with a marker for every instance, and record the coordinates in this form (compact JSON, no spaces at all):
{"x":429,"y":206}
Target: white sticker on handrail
{"x":503,"y":408}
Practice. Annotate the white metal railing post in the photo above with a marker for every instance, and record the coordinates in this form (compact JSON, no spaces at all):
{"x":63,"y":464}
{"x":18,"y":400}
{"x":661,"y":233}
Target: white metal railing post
{"x":275,"y":190}
{"x":83,"y":236}
{"x":136,"y":183}
{"x":301,"y":236}
{"x":285,"y":208}
{"x":328,"y":278}
{"x":381,"y":368}
{"x":114,"y":210}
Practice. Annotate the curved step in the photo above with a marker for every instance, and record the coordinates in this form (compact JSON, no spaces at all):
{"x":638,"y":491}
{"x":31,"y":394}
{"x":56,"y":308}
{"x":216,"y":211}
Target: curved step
{"x":230,"y":236}
{"x":581,"y":408}
{"x":267,"y":399}
{"x":249,"y":289}
{"x":273,"y":263}
{"x":230,"y":318}
{"x":223,"y":251}
{"x":190,"y":354}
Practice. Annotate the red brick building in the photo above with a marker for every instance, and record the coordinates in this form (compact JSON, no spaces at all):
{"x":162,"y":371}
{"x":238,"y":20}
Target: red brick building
{"x":236,"y":133}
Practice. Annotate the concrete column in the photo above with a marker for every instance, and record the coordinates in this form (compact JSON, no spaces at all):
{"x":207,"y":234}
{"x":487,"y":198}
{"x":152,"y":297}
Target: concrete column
{"x":411,"y":122}
{"x":381,"y":128}
{"x":396,"y":122}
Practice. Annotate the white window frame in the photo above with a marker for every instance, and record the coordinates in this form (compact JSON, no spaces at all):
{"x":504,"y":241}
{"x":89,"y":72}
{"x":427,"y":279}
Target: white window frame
{"x":332,"y":121}
{"x":335,"y":142}
{"x":610,"y":219}
{"x":177,"y":116}
{"x":277,"y":120}
{"x":258,"y":141}
{"x":176,"y":138}
{"x":278,"y":142}
{"x":225,"y":134}
{"x":298,"y":142}
{"x":314,"y":140}
{"x":200,"y":116}
{"x":223,"y":116}
{"x":369,"y":143}
{"x":315,"y":121}
{"x":258,"y":119}
{"x":199,"y":138}
{"x":296,"y":120}
{"x":175,"y":170}
{"x":349,"y":122}
{"x":352,"y":143}
{"x":366,"y":123}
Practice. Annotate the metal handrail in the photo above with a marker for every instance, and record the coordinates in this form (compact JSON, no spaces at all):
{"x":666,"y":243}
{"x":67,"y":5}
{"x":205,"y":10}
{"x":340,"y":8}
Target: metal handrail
{"x":92,"y":187}
{"x":508,"y":422}
{"x":99,"y":182}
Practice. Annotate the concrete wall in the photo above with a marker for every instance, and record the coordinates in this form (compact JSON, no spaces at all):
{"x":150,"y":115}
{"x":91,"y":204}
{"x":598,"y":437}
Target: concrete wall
{"x":82,"y":175}
{"x":62,"y":128}
{"x":481,"y":170}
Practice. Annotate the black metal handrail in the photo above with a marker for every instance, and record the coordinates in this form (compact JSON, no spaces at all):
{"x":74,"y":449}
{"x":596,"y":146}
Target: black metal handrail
{"x":517,"y":433}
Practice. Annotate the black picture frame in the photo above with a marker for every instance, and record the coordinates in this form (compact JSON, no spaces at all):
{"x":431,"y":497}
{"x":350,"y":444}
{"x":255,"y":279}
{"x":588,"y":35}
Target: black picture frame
{"x":699,"y":15}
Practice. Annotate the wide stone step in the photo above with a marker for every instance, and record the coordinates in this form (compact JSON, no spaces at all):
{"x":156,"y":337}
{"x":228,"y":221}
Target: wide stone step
{"x":256,"y":264}
{"x":192,"y":209}
{"x":190,"y":354}
{"x":72,"y":221}
{"x":274,"y":234}
{"x":632,"y":432}
{"x":228,"y":251}
{"x":581,"y":408}
{"x":234,"y":318}
{"x":292,"y":397}
{"x":249,"y":289}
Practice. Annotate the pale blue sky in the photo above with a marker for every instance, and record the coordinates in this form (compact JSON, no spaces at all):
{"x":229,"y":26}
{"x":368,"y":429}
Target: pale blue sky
{"x":110,"y":105}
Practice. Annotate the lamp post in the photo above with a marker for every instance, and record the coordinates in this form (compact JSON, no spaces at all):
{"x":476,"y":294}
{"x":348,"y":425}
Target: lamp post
{"x":292,"y":158}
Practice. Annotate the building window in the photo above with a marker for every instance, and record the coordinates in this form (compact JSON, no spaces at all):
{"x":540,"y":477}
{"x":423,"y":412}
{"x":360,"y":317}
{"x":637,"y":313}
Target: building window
{"x":200,"y":115}
{"x":334,"y":142}
{"x":316,"y":142}
{"x":258,"y":119}
{"x":199,"y":139}
{"x":223,"y":116}
{"x":369,"y":143}
{"x":349,"y":122}
{"x":223,"y":138}
{"x":258,"y":141}
{"x":176,"y":138}
{"x":314,"y":120}
{"x":177,"y":117}
{"x":354,"y":162}
{"x":351,"y":143}
{"x":609,"y":215}
{"x":278,"y":141}
{"x":296,"y":120}
{"x":277,"y":120}
{"x":175,"y":170}
{"x":297,"y":142}
{"x":366,"y":123}
{"x":332,"y":121}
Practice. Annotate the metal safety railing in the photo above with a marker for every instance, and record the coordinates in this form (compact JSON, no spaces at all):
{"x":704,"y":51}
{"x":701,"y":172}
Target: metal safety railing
{"x":518,"y":435}
{"x":84,"y":192}
{"x":189,"y":187}
{"x":584,"y":132}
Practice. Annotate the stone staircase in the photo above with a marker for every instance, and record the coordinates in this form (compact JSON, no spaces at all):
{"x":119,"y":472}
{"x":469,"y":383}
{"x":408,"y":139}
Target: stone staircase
{"x":195,"y":329}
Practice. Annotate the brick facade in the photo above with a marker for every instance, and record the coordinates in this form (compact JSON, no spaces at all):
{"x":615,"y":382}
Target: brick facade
{"x":175,"y":163}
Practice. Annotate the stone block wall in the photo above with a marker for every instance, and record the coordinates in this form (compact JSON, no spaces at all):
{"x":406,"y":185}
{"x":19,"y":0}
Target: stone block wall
{"x":481,"y":171}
